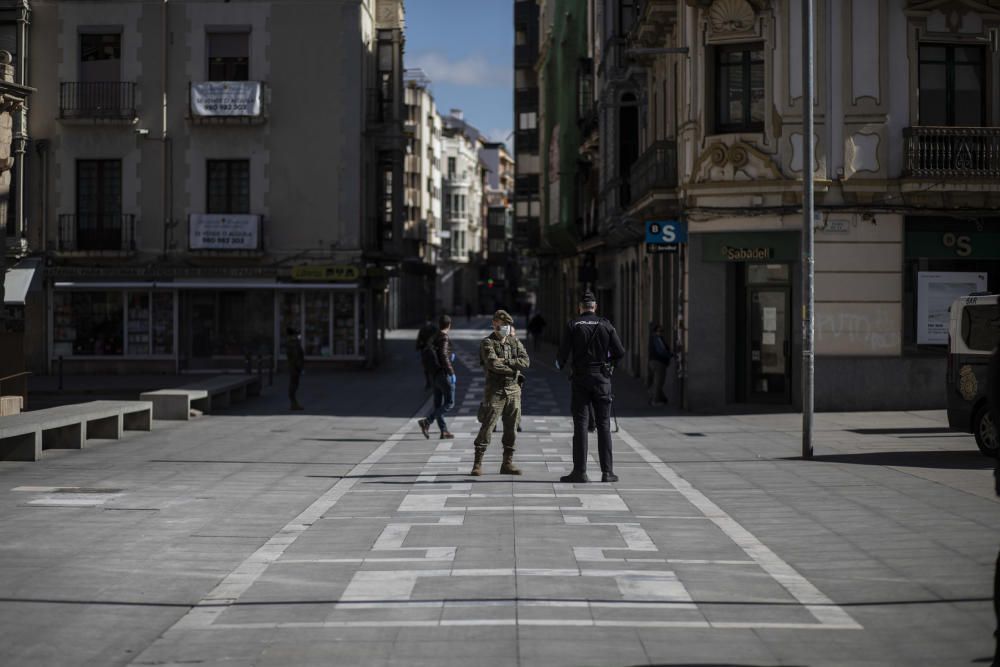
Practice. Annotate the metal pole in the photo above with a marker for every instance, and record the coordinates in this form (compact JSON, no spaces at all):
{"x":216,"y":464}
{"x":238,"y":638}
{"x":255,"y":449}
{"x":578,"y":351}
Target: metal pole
{"x":808,"y":161}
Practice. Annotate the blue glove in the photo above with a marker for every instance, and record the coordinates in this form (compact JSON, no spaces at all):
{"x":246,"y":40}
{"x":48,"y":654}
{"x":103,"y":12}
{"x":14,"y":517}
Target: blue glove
{"x":558,"y":365}
{"x":453,"y":356}
{"x":452,"y":379}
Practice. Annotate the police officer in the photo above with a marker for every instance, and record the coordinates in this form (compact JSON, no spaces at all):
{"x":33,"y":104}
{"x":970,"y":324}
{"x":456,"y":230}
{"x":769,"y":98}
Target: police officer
{"x":502,"y":357}
{"x":595,"y":347}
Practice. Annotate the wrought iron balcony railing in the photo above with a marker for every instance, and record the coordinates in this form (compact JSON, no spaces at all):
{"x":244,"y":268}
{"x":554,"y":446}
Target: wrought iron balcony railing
{"x":952,"y":152}
{"x":656,"y":169}
{"x":100,"y":100}
{"x":89,"y":232}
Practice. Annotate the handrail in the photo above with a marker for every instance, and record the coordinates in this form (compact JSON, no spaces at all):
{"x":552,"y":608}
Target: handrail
{"x":22,"y":376}
{"x":15,"y":375}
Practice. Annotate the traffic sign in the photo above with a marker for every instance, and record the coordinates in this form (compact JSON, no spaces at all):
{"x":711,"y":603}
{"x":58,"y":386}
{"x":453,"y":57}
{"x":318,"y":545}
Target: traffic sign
{"x":666,"y":232}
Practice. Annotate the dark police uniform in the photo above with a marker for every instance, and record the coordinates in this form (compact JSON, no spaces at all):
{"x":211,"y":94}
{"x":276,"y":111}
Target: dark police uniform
{"x":594,"y":346}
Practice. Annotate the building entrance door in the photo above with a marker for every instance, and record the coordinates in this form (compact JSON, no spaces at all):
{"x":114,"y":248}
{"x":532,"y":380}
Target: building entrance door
{"x":201,"y":315}
{"x":769,"y":338}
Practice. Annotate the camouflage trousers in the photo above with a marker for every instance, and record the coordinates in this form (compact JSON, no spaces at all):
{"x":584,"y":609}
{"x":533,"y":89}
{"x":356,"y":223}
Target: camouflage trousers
{"x":499,"y":407}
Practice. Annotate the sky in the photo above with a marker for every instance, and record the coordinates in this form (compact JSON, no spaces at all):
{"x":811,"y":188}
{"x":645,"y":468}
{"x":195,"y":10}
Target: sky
{"x":466,"y":48}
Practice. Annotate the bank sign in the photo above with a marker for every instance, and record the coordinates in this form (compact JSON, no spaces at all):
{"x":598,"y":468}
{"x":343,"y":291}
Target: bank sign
{"x":665,"y":235}
{"x":224,"y":232}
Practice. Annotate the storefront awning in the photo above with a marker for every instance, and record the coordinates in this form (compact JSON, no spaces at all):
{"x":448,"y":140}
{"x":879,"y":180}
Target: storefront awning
{"x":18,"y":281}
{"x":205,"y":285}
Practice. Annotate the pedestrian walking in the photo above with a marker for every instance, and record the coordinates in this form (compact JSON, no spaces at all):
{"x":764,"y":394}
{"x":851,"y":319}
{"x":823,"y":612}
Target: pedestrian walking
{"x":424,"y":336}
{"x":296,"y":362}
{"x":660,"y":357}
{"x":443,"y":380}
{"x":594,"y":347}
{"x":535,"y":328}
{"x":503,"y":358}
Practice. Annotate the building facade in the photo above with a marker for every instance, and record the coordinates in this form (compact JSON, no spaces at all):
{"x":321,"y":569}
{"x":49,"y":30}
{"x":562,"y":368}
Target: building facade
{"x":192,"y":200}
{"x":907,"y":173}
{"x":422,"y":224}
{"x":462,"y":240}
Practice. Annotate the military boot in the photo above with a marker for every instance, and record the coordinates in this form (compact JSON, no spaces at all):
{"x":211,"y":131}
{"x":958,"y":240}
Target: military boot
{"x":477,"y":465}
{"x":508,"y":467}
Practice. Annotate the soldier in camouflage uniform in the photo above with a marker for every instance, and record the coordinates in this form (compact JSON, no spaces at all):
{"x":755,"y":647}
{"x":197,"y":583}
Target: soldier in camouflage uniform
{"x":502,"y":357}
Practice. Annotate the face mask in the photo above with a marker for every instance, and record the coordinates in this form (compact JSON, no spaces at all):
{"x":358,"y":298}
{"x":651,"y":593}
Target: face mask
{"x":505,"y":330}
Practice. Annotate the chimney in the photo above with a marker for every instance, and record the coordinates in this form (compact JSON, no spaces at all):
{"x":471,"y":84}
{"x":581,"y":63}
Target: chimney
{"x":457,"y":113}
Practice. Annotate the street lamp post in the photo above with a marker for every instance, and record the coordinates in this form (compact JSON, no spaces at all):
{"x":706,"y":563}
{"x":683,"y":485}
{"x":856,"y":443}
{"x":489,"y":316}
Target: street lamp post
{"x":808,"y":160}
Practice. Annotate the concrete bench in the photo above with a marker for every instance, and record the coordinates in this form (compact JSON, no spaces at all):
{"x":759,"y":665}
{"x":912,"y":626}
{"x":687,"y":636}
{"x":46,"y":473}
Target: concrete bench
{"x":24,"y":436}
{"x":205,"y":396}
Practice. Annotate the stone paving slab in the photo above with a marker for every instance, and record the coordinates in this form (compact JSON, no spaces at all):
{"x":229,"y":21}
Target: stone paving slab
{"x":341,"y":536}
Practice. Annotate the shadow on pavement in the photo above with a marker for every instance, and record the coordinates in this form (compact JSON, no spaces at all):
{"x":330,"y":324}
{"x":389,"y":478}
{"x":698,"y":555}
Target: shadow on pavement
{"x":966,"y":460}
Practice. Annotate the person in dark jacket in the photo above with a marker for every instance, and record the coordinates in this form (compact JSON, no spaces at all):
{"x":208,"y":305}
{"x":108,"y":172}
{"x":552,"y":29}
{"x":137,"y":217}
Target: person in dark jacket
{"x":659,"y":361}
{"x":535,"y":328}
{"x":443,"y":381}
{"x":594,"y":346}
{"x":424,"y":336}
{"x":296,"y":362}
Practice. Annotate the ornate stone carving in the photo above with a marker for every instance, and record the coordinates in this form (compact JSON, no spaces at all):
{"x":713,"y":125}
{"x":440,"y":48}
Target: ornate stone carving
{"x":728,"y":16}
{"x":737,"y":162}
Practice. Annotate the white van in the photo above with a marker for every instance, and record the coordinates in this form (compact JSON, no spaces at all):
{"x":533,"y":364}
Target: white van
{"x":973,"y":333}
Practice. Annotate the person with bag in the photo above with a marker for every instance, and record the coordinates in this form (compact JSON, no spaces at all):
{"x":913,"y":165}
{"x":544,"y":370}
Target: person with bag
{"x":660,"y":357}
{"x":424,"y":336}
{"x":438,"y":358}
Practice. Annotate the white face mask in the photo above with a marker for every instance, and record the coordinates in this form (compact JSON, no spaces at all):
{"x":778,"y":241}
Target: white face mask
{"x":505,"y":330}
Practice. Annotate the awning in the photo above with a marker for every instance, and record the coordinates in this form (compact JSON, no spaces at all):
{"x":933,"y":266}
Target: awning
{"x":18,"y":281}
{"x":229,"y":285}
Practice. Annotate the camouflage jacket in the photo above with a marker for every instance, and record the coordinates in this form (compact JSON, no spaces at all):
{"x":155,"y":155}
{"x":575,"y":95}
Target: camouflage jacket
{"x":502,"y":359}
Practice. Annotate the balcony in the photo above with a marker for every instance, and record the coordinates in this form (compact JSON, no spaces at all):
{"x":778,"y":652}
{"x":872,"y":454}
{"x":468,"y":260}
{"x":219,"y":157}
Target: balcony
{"x":227,"y":102}
{"x":654,"y":171}
{"x":952,"y":152}
{"x":110,"y":102}
{"x":225,"y":234}
{"x":91,"y":234}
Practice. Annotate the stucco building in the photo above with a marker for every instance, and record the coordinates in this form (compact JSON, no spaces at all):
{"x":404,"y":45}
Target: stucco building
{"x":200,"y":185}
{"x":907,"y":173}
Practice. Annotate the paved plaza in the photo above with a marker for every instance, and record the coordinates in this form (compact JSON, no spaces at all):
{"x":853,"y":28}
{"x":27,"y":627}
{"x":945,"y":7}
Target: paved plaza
{"x":340,"y":536}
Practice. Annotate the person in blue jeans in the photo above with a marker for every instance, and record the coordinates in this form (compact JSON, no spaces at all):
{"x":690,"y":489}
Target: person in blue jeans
{"x":443,"y":382}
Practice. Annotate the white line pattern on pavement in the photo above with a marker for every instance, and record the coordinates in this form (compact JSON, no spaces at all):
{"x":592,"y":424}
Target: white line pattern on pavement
{"x":818,"y":604}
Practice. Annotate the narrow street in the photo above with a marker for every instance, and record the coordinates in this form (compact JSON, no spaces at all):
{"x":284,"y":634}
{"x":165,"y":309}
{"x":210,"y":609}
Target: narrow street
{"x":341,"y":536}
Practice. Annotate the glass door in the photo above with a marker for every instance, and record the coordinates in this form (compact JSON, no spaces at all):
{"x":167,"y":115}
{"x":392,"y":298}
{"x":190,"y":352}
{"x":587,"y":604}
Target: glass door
{"x":769,"y":372}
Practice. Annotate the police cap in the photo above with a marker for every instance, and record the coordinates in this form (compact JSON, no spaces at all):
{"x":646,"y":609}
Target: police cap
{"x":503,"y":316}
{"x":587,"y":298}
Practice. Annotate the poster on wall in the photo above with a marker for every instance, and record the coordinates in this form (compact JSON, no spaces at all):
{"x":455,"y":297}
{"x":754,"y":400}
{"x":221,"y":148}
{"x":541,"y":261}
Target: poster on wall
{"x":935,"y":294}
{"x":224,"y":232}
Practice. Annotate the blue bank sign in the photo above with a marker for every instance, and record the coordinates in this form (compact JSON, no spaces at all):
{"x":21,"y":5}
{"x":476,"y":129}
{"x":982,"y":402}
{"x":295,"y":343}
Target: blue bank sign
{"x":665,"y":235}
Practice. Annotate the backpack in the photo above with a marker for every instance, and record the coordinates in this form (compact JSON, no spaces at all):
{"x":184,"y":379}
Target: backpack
{"x":429,"y":357}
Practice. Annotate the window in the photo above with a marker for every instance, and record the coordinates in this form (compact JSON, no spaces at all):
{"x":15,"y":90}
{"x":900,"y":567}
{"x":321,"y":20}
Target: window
{"x":981,"y":327}
{"x":739,"y":88}
{"x":100,"y":57}
{"x":525,"y":78}
{"x":528,"y":120}
{"x":430,"y":185}
{"x":88,"y":323}
{"x":520,"y":35}
{"x":229,"y":56}
{"x":99,"y":204}
{"x":952,"y":85}
{"x":451,"y":168}
{"x":228,"y":186}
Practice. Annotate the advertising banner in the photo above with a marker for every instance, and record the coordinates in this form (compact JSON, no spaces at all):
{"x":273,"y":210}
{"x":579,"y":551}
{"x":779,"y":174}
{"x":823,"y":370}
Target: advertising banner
{"x":224,"y":232}
{"x":935,"y":294}
{"x":226,"y":98}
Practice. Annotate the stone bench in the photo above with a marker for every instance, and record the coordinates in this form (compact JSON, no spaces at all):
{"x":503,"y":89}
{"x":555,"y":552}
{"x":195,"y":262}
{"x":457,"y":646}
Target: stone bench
{"x":24,"y":436}
{"x":206,"y":396}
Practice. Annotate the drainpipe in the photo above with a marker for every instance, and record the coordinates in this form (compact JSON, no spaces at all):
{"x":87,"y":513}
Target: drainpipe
{"x":21,"y":136}
{"x":42,"y":147}
{"x":165,"y":166}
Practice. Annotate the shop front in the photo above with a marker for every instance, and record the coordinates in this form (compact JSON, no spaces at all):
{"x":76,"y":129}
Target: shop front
{"x":743,"y":327}
{"x":182,"y":325}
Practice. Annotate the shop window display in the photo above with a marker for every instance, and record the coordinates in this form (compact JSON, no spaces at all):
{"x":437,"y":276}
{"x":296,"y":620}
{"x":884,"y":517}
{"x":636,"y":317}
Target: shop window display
{"x":88,"y":324}
{"x":138,"y":323}
{"x":316,"y":335}
{"x":163,"y":323}
{"x":343,"y":324}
